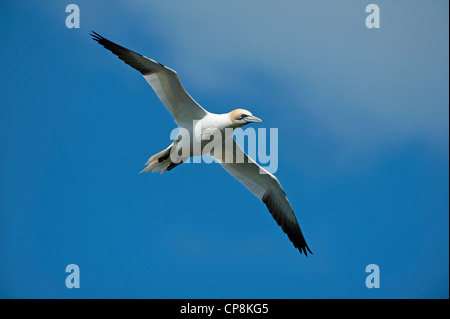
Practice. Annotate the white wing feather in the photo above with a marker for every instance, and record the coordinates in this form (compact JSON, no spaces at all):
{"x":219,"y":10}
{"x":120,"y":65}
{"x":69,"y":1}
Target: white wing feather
{"x":267,"y":188}
{"x":164,"y":81}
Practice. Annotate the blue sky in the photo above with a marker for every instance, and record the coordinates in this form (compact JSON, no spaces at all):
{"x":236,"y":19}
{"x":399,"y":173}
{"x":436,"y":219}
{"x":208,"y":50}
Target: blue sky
{"x":362,"y":118}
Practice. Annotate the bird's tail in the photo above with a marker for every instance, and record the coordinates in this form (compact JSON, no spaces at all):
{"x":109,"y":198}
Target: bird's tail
{"x":161,"y":162}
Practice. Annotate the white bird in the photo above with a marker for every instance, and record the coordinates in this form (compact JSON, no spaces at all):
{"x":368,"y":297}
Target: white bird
{"x":185,"y":110}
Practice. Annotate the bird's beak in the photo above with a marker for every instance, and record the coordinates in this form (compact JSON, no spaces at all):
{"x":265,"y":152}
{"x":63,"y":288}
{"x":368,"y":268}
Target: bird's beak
{"x":252,"y":119}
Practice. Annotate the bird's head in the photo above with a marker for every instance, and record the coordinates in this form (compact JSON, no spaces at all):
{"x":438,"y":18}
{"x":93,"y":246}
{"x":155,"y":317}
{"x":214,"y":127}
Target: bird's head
{"x":240,"y":117}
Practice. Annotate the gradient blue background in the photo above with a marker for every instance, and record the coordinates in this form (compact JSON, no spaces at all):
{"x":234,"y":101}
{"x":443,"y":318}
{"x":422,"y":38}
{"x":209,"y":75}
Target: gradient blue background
{"x":363,"y":150}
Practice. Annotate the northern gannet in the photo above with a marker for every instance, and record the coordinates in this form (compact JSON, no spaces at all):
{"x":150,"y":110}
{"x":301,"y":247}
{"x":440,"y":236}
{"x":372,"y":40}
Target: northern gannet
{"x":185,"y":110}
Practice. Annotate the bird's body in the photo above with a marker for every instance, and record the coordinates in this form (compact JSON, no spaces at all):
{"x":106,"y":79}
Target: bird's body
{"x":197,"y":128}
{"x":194,"y":138}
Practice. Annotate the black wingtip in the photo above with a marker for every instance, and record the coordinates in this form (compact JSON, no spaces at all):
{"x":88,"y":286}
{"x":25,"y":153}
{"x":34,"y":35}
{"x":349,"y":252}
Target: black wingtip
{"x":303,"y":250}
{"x":95,"y":36}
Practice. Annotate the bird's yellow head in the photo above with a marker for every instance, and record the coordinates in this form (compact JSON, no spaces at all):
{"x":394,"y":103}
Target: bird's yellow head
{"x":241,"y":117}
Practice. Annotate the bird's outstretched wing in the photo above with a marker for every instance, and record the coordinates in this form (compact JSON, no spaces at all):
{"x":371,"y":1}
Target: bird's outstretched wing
{"x":267,"y":188}
{"x":163,"y":80}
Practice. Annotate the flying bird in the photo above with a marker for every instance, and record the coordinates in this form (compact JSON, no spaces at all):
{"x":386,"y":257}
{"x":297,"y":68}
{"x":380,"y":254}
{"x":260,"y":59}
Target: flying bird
{"x":186,"y":111}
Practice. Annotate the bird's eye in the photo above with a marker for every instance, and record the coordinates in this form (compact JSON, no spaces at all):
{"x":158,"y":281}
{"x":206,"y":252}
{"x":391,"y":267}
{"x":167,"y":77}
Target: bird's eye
{"x":243,"y":115}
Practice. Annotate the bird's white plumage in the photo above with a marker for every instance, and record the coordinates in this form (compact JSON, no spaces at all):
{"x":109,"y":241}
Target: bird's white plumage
{"x":164,"y":81}
{"x":185,"y":110}
{"x":170,"y":91}
{"x":255,"y":178}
